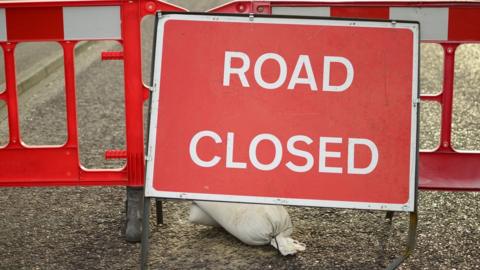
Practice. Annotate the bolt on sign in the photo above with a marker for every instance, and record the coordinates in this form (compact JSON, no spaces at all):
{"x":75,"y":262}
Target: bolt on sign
{"x":284,"y":110}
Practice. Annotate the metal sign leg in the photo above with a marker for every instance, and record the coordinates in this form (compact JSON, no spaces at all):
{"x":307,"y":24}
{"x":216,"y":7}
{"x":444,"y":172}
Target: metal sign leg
{"x":412,"y":235}
{"x":389,"y":216}
{"x":159,"y":208}
{"x":145,"y":234}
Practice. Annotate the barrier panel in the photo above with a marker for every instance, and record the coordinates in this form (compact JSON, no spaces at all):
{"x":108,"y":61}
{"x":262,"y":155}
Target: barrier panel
{"x":447,"y":23}
{"x":68,"y":23}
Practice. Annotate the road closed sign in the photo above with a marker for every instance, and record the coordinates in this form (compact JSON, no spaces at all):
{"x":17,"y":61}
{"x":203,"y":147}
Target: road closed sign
{"x":280,"y":110}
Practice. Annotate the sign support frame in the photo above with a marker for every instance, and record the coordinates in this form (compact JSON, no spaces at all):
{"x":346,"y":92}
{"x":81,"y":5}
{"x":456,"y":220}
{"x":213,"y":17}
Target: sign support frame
{"x":413,"y":215}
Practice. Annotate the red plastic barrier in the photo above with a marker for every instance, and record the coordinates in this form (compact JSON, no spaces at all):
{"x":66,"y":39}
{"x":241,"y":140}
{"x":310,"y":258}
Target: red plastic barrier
{"x":67,"y":22}
{"x":448,"y":23}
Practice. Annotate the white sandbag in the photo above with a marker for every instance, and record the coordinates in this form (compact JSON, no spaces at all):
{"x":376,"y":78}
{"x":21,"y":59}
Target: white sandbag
{"x":255,"y":224}
{"x":198,"y":216}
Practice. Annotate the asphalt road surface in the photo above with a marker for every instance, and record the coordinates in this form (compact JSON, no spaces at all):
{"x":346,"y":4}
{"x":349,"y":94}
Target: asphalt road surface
{"x":82,"y":227}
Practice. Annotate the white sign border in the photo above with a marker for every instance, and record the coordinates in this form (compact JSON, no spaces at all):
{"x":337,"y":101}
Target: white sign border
{"x":163,"y":18}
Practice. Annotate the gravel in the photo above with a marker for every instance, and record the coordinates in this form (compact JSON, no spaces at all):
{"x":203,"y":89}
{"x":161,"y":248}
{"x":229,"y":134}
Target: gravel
{"x":82,"y":227}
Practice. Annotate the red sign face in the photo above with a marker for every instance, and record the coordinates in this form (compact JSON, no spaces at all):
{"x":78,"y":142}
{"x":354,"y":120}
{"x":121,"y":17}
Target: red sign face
{"x":289,"y":111}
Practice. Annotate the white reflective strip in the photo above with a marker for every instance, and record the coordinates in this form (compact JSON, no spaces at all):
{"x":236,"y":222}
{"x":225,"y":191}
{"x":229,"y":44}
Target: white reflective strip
{"x":302,"y":11}
{"x":433,"y":21}
{"x":91,"y":23}
{"x":3,"y":25}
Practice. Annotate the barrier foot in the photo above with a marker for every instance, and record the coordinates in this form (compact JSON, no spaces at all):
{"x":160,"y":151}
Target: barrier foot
{"x":412,"y":235}
{"x":133,"y":230}
{"x":159,"y":208}
{"x":145,"y":234}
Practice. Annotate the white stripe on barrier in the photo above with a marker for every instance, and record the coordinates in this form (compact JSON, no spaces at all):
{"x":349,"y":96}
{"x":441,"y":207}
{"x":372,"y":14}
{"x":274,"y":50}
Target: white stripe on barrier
{"x":91,"y":23}
{"x":433,"y":21}
{"x":3,"y":25}
{"x":302,"y":11}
